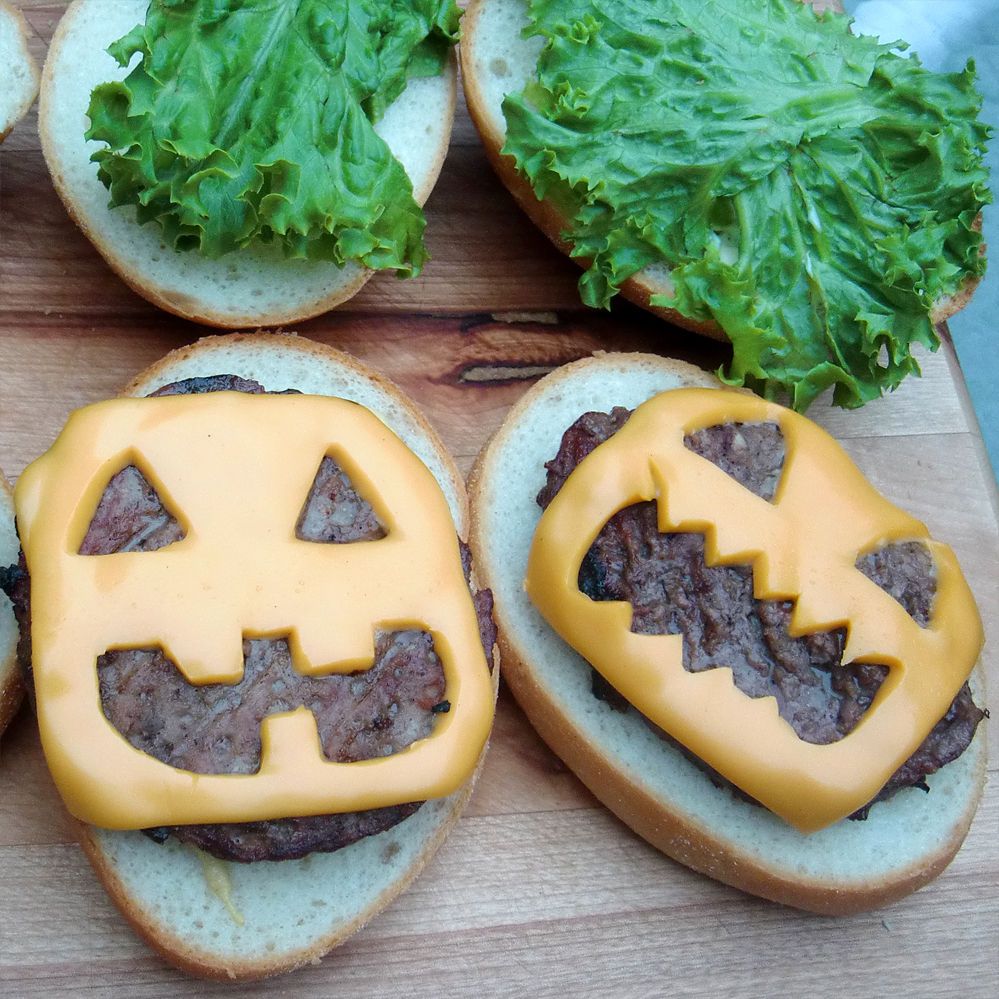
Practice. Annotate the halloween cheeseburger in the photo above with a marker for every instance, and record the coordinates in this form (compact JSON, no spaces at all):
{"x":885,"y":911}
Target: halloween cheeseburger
{"x":254,"y":631}
{"x":743,"y":649}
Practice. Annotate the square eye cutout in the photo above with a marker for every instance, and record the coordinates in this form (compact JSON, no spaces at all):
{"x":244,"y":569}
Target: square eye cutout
{"x":131,"y":517}
{"x":335,"y":512}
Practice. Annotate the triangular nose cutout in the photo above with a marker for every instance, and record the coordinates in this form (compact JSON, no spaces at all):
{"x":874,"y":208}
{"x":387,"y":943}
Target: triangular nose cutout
{"x":131,"y":517}
{"x":335,"y":512}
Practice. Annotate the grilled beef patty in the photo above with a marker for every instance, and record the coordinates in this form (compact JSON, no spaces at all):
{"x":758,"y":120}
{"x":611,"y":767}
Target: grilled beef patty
{"x":673,"y":591}
{"x":215,"y":728}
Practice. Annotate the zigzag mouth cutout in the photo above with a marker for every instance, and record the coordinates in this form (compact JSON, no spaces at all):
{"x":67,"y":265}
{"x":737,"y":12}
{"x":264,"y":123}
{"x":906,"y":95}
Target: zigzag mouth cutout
{"x":215,"y":727}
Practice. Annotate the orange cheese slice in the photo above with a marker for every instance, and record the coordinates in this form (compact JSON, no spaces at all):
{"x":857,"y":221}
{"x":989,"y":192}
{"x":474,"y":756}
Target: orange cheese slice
{"x":802,"y":547}
{"x":236,"y":470}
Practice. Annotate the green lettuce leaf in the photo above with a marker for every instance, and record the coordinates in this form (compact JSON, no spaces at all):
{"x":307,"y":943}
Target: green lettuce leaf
{"x":812,"y":192}
{"x":252,"y":120}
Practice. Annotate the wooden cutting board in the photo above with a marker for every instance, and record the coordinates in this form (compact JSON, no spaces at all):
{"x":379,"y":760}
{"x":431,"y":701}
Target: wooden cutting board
{"x":539,"y":890}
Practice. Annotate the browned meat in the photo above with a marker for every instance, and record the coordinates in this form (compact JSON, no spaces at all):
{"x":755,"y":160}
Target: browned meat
{"x":334,"y":513}
{"x":130,"y":517}
{"x":673,"y":591}
{"x":213,"y":383}
{"x":287,"y":839}
{"x":906,"y":572}
{"x":215,"y":728}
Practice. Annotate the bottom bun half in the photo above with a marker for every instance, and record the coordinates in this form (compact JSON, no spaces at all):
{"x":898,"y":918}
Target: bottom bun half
{"x":244,"y":921}
{"x":649,"y":784}
{"x":226,"y":920}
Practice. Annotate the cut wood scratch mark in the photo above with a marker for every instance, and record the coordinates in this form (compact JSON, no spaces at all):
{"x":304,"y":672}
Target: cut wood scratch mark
{"x":545,"y":318}
{"x":491,"y":374}
{"x":511,"y":317}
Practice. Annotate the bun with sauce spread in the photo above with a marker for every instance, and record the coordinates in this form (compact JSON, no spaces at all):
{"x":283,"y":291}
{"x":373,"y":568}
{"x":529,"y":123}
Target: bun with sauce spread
{"x":11,"y":687}
{"x":743,"y":650}
{"x":275,"y":668}
{"x":258,"y":161}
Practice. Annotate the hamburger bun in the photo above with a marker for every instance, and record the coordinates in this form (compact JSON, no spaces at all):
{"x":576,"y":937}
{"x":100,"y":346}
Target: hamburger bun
{"x":19,"y":80}
{"x":495,"y":61}
{"x":289,"y":913}
{"x":648,"y":783}
{"x":256,"y":286}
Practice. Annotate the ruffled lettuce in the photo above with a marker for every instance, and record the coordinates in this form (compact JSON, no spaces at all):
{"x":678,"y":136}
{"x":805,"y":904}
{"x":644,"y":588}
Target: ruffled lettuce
{"x":812,"y":192}
{"x":252,"y":120}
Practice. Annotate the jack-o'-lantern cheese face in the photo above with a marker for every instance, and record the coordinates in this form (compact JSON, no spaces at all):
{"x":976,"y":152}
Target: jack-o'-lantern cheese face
{"x":234,"y":470}
{"x":803,"y":546}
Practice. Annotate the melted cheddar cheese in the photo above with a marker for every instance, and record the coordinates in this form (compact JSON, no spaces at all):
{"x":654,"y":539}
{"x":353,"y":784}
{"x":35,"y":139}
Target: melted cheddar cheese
{"x":802,"y":547}
{"x":236,"y":470}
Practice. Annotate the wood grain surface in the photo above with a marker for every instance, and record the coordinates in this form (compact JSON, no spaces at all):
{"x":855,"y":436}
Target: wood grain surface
{"x":539,"y":891}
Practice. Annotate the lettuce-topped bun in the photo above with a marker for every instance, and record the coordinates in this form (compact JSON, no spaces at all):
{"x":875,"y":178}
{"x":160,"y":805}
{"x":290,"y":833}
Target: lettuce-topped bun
{"x":272,"y":193}
{"x":745,"y":168}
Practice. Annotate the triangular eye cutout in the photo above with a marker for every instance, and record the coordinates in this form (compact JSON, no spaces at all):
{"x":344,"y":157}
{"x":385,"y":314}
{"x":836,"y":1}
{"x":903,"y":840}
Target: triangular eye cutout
{"x":752,"y":453}
{"x":335,"y":512}
{"x":131,"y":517}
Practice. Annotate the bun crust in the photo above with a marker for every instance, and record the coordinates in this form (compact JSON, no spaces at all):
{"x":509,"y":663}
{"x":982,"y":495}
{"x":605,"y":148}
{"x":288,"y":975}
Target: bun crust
{"x":118,"y":864}
{"x":11,"y":685}
{"x":293,"y":911}
{"x":496,"y":61}
{"x":20,"y":71}
{"x":849,"y":867}
{"x":252,"y":287}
